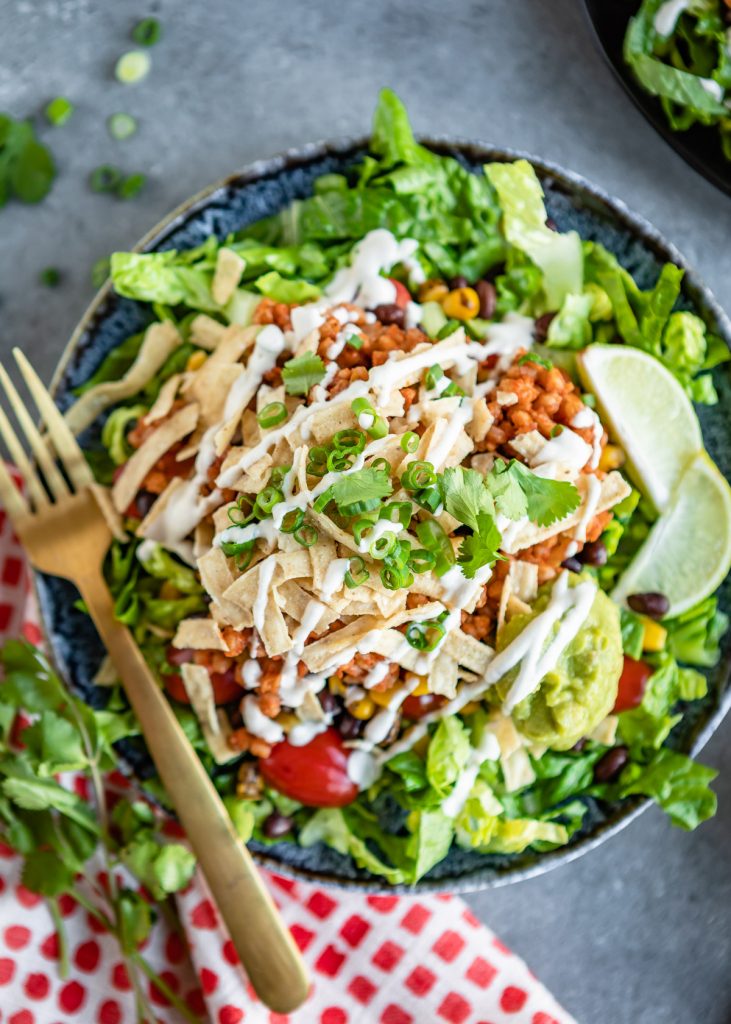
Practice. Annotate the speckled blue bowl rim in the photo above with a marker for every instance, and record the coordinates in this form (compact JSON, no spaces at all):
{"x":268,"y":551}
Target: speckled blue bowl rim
{"x":581,"y":194}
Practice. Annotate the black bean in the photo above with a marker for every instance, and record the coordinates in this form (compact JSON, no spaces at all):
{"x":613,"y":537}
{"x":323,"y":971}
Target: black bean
{"x":460,"y":281}
{"x":579,"y":745}
{"x":144,"y":502}
{"x":488,"y":299}
{"x":594,"y":554}
{"x":611,"y":764}
{"x":349,"y":727}
{"x":277,"y":825}
{"x":651,"y":604}
{"x":540,"y":330}
{"x":390,"y":313}
{"x":551,"y":224}
{"x":327,"y":701}
{"x":572,"y":564}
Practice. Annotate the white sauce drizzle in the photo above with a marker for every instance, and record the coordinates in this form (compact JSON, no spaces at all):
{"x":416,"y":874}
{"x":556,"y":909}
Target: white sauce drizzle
{"x":567,"y":449}
{"x":334,"y":578}
{"x":586,"y":417}
{"x":593,"y":494}
{"x":666,"y":16}
{"x":266,"y":573}
{"x":258,"y":724}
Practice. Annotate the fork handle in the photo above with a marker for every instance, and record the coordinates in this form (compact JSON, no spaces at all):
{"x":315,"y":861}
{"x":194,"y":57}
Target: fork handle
{"x":263,"y":943}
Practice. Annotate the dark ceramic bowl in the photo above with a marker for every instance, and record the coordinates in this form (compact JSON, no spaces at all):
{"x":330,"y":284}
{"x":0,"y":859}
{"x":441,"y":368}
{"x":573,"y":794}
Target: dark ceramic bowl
{"x":262,"y":189}
{"x":699,"y":146}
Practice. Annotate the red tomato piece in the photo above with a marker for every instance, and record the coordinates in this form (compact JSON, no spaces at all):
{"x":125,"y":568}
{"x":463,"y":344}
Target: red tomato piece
{"x":175,"y":689}
{"x":315,"y":774}
{"x":416,"y":707}
{"x":225,"y":687}
{"x":403,"y":295}
{"x":632,"y":684}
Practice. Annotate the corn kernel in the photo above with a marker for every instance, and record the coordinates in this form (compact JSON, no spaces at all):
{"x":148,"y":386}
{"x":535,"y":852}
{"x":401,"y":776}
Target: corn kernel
{"x":432,"y":291}
{"x":196,"y":361}
{"x":336,"y":686}
{"x":381,"y":697}
{"x":612,"y":458}
{"x":422,"y":689}
{"x":168,"y":592}
{"x":287,"y":720}
{"x":461,"y":304}
{"x":469,"y":709}
{"x":363,"y":709}
{"x":654,"y":636}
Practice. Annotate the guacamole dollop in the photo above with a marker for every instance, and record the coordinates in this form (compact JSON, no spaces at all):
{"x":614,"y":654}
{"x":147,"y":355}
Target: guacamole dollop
{"x":580,"y":691}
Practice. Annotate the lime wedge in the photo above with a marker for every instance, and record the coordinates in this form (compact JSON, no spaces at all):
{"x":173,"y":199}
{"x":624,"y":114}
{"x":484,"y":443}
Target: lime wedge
{"x":687,"y":553}
{"x":648,"y":413}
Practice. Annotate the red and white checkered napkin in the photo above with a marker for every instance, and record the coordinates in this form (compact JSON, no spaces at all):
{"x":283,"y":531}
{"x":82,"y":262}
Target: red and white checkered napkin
{"x":372,"y":959}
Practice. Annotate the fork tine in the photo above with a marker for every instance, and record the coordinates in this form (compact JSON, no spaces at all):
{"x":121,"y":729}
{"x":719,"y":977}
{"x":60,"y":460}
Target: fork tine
{"x":10,"y":497}
{"x":21,"y":460}
{"x":63,"y":440}
{"x":56,"y":483}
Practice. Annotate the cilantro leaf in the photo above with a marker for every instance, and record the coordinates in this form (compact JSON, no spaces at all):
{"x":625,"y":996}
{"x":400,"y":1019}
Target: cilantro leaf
{"x":27,"y":169}
{"x":546,"y":500}
{"x":466,"y":495}
{"x":365,"y":485}
{"x":44,"y":872}
{"x":56,"y":744}
{"x":506,"y":491}
{"x":481,"y":548}
{"x":300,"y":374}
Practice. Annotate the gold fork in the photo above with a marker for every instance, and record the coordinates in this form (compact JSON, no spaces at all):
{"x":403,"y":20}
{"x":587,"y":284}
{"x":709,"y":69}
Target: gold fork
{"x":65,"y":534}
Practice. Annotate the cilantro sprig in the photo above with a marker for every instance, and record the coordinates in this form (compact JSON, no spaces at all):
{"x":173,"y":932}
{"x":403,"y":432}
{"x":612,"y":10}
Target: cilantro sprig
{"x":302,"y":373}
{"x":361,"y":490}
{"x":56,"y":831}
{"x":27,"y":168}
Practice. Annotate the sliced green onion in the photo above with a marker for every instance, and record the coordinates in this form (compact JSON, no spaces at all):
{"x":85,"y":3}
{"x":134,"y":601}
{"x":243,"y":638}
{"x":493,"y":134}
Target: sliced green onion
{"x":395,"y":577}
{"x":452,"y":389}
{"x":433,"y":375}
{"x":317,"y":461}
{"x":147,"y":32}
{"x":272,"y":415}
{"x":356,"y":507}
{"x":355,"y":341}
{"x":449,"y":328}
{"x":360,"y":405}
{"x":400,"y":554}
{"x":131,"y":186}
{"x":373,"y":424}
{"x":379,"y":428}
{"x":58,"y":111}
{"x":357,"y":572}
{"x":306,"y":535}
{"x":397,"y":512}
{"x":50,"y":277}
{"x":105,"y":178}
{"x":292,"y":520}
{"x":243,"y":511}
{"x":339,"y":460}
{"x":425,"y":636}
{"x":383,"y":546}
{"x":421,"y":560}
{"x":382,"y":464}
{"x":350,"y":440}
{"x":360,"y":526}
{"x":433,"y":537}
{"x":278,"y":475}
{"x":267,"y":499}
{"x":132,"y":66}
{"x":429,"y":498}
{"x":418,"y":475}
{"x":121,"y":126}
{"x":409,"y":442}
{"x":241,"y":552}
{"x":321,"y":503}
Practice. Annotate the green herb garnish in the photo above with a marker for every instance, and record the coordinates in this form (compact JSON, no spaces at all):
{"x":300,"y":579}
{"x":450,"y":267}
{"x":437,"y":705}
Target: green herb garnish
{"x":302,"y":373}
{"x":27,"y":169}
{"x":147,"y":32}
{"x":58,"y":111}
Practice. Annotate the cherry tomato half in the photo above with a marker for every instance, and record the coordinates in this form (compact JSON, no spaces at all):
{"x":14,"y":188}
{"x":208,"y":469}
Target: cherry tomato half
{"x":403,"y":295}
{"x":315,"y":774}
{"x":225,"y":687}
{"x":632,"y":684}
{"x":416,"y":707}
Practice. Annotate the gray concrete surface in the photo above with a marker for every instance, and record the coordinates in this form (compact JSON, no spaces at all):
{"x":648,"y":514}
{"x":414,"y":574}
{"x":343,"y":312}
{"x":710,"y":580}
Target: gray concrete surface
{"x":637,"y":931}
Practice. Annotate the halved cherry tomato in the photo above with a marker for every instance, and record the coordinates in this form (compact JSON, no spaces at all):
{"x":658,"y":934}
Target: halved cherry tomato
{"x":416,"y":707}
{"x":315,"y":774}
{"x":225,"y":687}
{"x":403,"y":295}
{"x":632,"y":684}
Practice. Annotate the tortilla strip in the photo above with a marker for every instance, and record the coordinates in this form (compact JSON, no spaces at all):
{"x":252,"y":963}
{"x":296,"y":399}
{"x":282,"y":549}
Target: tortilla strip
{"x":293,"y":601}
{"x":214,"y":724}
{"x":164,"y":401}
{"x":606,"y":732}
{"x":322,"y":652}
{"x":205,"y":332}
{"x":289,"y":565}
{"x":216,"y":577}
{"x":226,"y":277}
{"x":106,"y":674}
{"x":113,"y":518}
{"x":153,"y":448}
{"x":517,"y":770}
{"x":614,"y":489}
{"x":503,"y":729}
{"x":528,"y":445}
{"x":234,"y":342}
{"x":525,"y":580}
{"x":202,"y":539}
{"x":209,"y":388}
{"x":199,"y":635}
{"x":482,"y":420}
{"x":468,"y":652}
{"x":160,"y":341}
{"x":443,"y":675}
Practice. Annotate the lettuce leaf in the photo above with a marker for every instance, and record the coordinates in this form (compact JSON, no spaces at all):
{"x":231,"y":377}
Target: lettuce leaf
{"x":694,"y":637}
{"x":114,"y":432}
{"x":164,"y":566}
{"x":329,"y":826}
{"x":558,"y":255}
{"x":677,"y":783}
{"x":448,"y":752}
{"x":570,"y":328}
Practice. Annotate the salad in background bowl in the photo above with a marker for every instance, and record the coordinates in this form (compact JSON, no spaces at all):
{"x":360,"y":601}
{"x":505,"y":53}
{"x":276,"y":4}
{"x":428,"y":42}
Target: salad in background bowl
{"x":403,"y":479}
